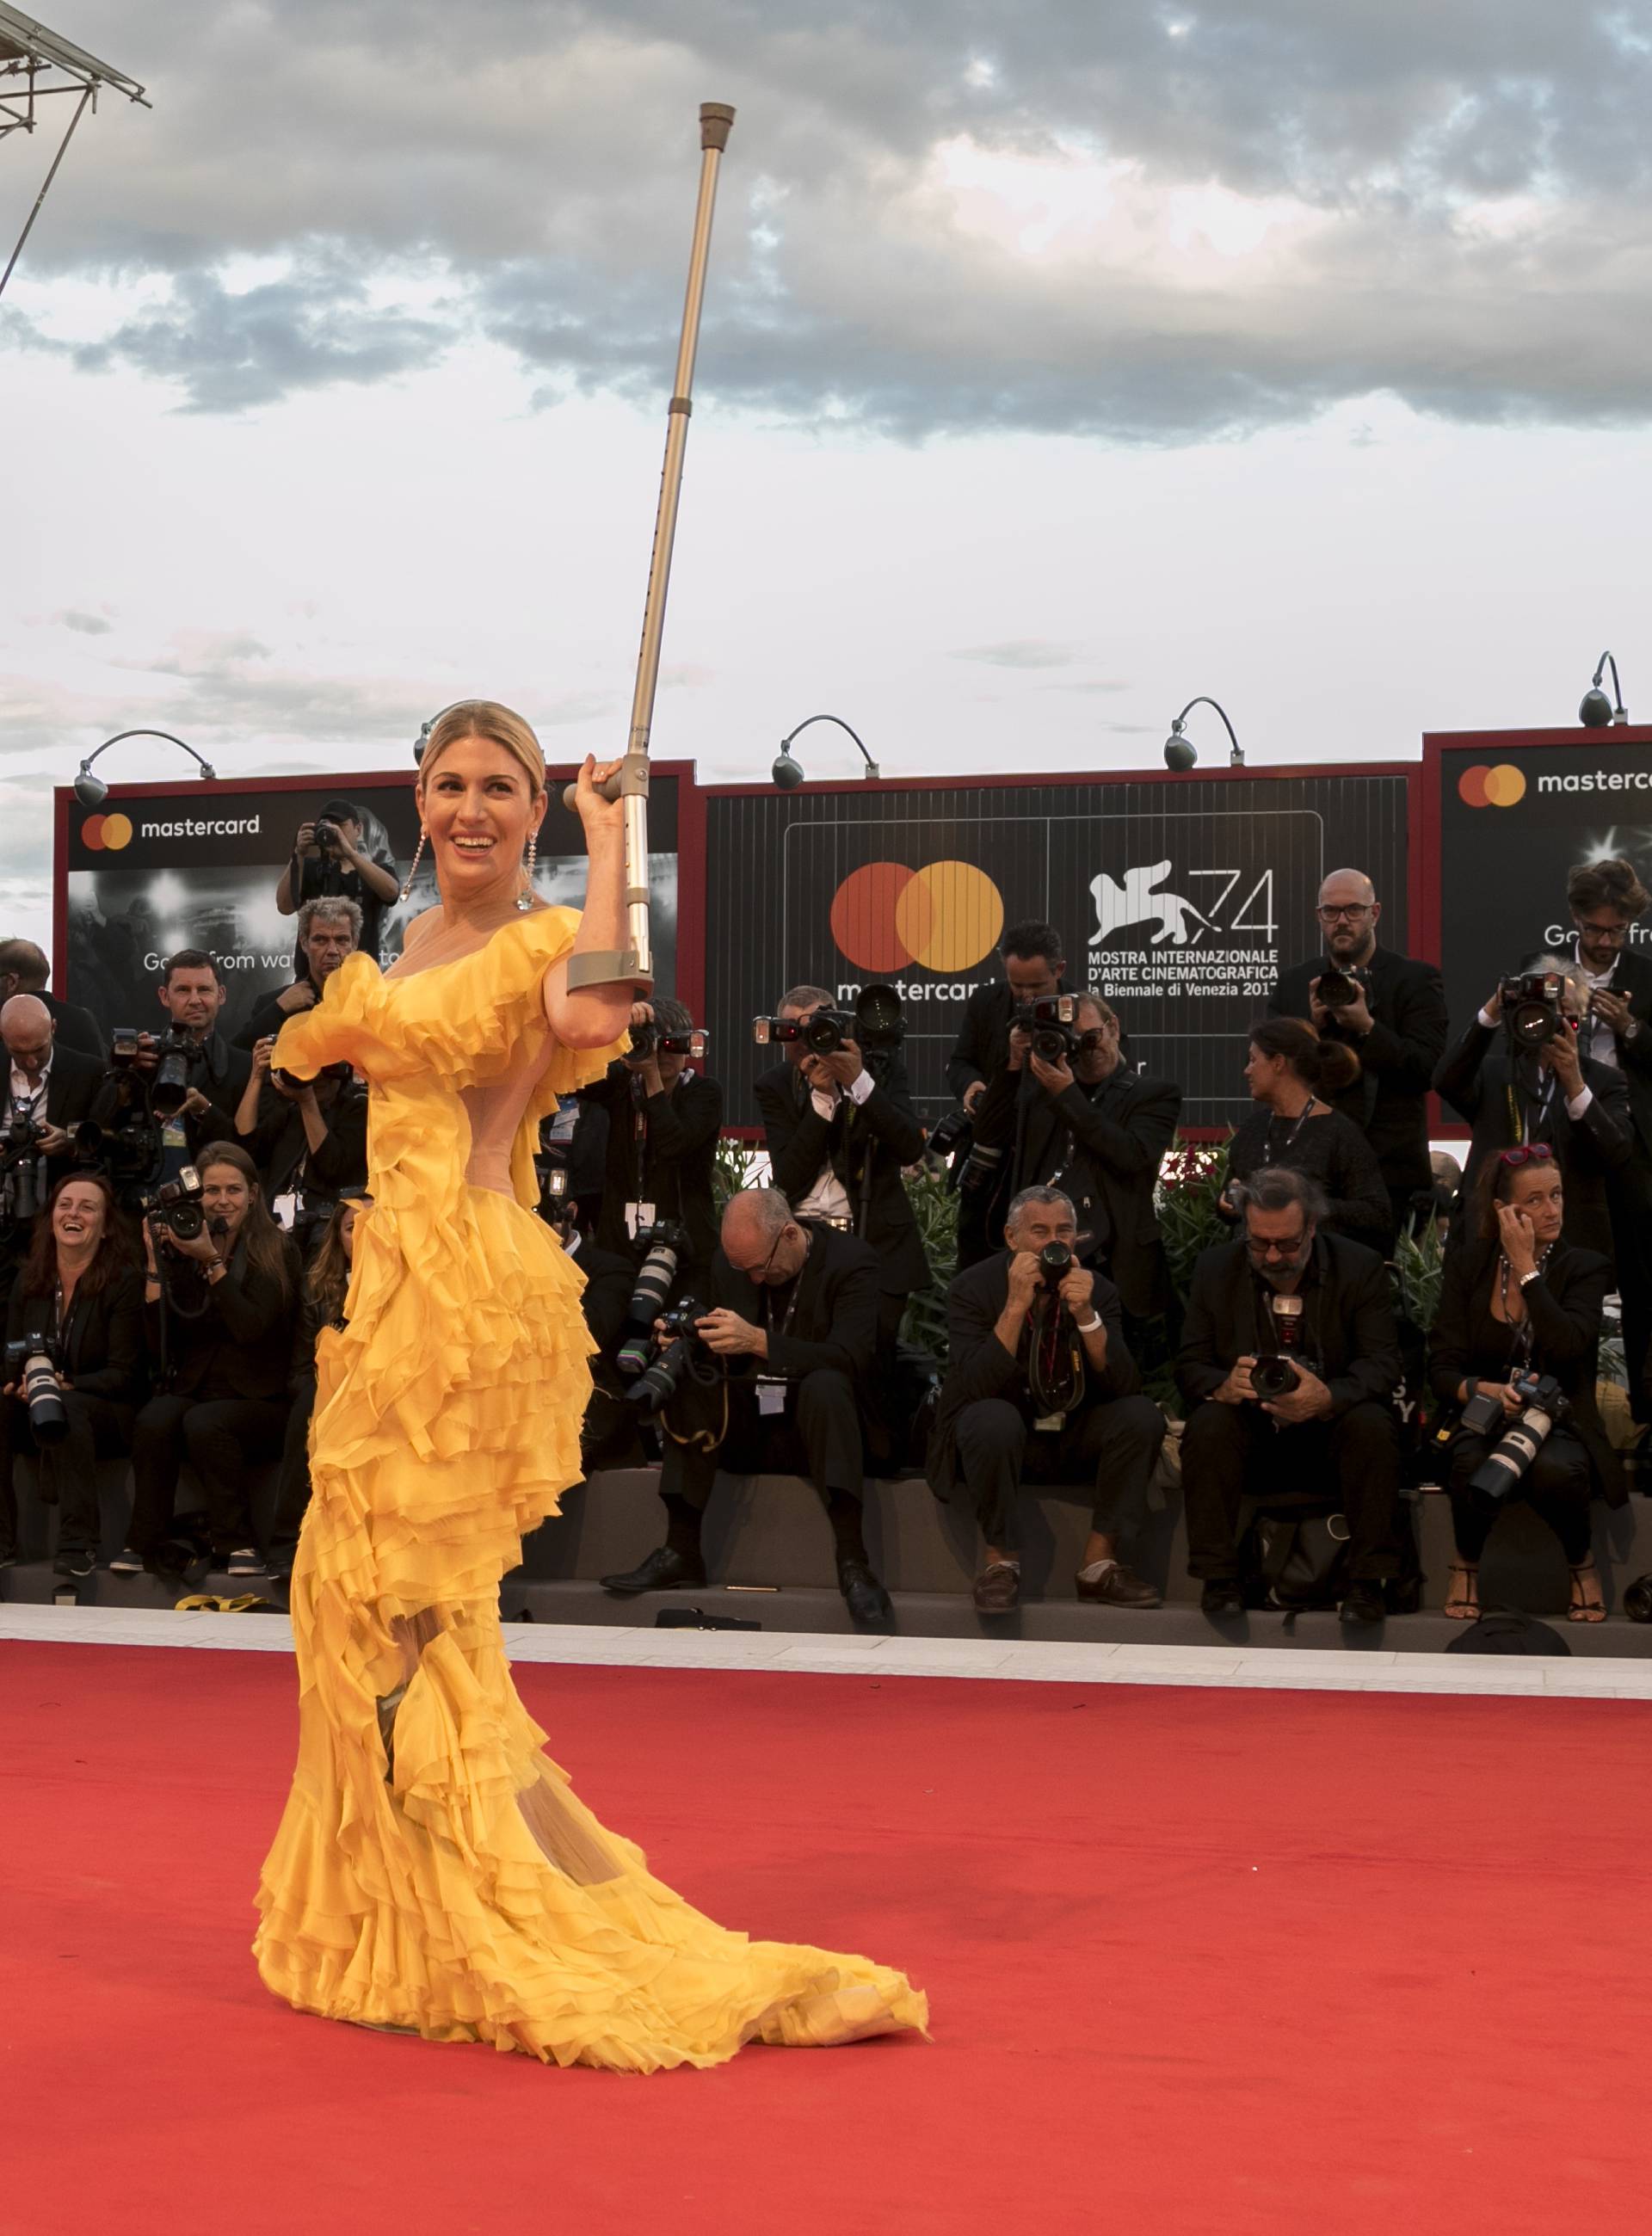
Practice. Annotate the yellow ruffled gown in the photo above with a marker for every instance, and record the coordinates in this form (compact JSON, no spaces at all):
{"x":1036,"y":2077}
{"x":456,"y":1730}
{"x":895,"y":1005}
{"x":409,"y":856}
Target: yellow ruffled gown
{"x":433,"y":1870}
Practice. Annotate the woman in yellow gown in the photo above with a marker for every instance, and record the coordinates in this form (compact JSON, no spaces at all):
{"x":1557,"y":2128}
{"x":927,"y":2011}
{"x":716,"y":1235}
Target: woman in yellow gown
{"x":433,"y":1870}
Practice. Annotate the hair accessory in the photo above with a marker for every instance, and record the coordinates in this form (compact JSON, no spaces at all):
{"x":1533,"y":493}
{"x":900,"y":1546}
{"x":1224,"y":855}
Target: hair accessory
{"x":526,"y":899}
{"x":418,"y":859}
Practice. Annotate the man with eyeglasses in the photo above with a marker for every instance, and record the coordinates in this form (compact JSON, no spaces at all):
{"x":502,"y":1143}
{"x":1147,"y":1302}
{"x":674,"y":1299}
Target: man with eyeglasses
{"x":1607,"y":899}
{"x":1397,"y":1020}
{"x":1333,"y":1436}
{"x":1098,"y":1131}
{"x":793,"y":1324}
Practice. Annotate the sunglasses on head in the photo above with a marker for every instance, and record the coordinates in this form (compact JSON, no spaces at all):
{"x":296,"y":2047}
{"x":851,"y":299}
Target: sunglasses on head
{"x":1538,"y":1153}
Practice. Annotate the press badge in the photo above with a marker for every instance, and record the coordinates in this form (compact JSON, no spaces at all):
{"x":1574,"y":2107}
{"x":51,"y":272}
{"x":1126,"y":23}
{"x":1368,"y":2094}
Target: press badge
{"x":1049,"y":1421}
{"x":770,"y":1396}
{"x":638,"y":1215}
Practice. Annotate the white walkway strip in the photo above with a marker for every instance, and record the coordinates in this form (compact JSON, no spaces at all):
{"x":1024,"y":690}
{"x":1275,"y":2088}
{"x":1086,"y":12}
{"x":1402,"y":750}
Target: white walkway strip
{"x":1273,"y":1669}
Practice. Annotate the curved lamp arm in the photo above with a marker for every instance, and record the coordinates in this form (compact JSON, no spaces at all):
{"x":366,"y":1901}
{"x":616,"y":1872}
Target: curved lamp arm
{"x":873,"y":768}
{"x":1605,"y":661}
{"x":1236,"y":757}
{"x":86,"y":783}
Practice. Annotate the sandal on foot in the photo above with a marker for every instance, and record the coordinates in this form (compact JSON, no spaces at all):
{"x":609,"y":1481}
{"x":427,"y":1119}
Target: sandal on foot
{"x":1464,"y":1606}
{"x":1583,"y":1609}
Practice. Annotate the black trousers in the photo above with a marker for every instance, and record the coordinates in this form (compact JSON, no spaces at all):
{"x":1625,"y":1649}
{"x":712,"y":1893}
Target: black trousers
{"x":819,"y":1435}
{"x":98,"y":1430}
{"x":1555,"y":1486}
{"x":1631,"y":1206}
{"x":1229,"y":1452}
{"x":224,"y":1439}
{"x":1113,"y":1444}
{"x":293,"y":1488}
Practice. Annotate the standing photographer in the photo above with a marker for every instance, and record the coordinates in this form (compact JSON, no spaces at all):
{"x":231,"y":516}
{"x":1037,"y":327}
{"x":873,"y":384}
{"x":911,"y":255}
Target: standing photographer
{"x":25,"y":970}
{"x":663,"y":1121}
{"x":328,"y":861}
{"x":76,"y":1310}
{"x":1521,"y":1077}
{"x":1098,"y":1131}
{"x":220,"y":1301}
{"x":329,"y":930}
{"x":191,"y":1077}
{"x":1033,"y":966}
{"x":326,"y":1285}
{"x":839,"y":1127}
{"x":308,"y":1139}
{"x":1517,"y":1304}
{"x":1391,"y":1010}
{"x":1310,"y":1317}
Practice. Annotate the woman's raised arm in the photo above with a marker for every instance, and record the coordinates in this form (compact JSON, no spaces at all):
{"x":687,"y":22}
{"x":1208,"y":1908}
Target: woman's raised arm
{"x":591,"y":1016}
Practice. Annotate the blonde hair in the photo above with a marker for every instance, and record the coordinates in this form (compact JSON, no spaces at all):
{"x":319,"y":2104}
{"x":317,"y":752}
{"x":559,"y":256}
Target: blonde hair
{"x":499,"y":726}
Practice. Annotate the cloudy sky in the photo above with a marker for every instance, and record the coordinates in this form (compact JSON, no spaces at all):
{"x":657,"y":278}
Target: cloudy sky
{"x":1058,"y":364}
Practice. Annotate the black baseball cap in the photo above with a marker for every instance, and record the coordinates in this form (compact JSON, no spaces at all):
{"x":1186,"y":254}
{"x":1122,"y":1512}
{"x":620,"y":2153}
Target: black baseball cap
{"x":342,"y":811}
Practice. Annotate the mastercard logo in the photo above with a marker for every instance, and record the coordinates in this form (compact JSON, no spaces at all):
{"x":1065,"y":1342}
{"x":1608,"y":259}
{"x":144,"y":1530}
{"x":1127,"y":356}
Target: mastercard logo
{"x":945,"y":917}
{"x":112,"y":832}
{"x":1491,"y":788}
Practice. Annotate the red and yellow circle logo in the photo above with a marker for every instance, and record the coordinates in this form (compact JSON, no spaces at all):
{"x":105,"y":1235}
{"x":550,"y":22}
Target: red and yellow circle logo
{"x":112,"y":832}
{"x":945,"y":917}
{"x":1501,"y":787}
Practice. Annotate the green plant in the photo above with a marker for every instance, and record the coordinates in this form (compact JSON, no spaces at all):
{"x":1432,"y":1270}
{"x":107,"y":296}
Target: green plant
{"x":734,"y":1167}
{"x":1191,"y":1181}
{"x":1419,"y":1272}
{"x":935,"y":1205}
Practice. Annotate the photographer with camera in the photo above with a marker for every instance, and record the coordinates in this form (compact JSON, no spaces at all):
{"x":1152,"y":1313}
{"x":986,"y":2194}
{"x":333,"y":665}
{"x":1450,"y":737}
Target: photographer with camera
{"x":308,"y":1139}
{"x":222,"y":1294}
{"x":663,"y":1120}
{"x":25,"y":970}
{"x":329,"y":862}
{"x":329,"y":930}
{"x":49,"y":1091}
{"x":185,"y":1085}
{"x":321,"y":1306}
{"x":1033,"y":971}
{"x":1512,"y":1352}
{"x":1288,"y":1362}
{"x":1292,"y":1074}
{"x":1042,"y":1388}
{"x":75,"y":1364}
{"x":764,"y":1381}
{"x":1389,"y":1008}
{"x":839,"y":1127}
{"x":1518,"y":1076}
{"x":1077,"y":1118}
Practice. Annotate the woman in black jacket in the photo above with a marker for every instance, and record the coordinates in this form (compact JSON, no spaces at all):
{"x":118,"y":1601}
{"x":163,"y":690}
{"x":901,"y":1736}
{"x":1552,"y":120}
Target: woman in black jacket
{"x":221,"y":1327}
{"x":1517,"y":1300}
{"x":79,"y":1302}
{"x":1289,"y":1071}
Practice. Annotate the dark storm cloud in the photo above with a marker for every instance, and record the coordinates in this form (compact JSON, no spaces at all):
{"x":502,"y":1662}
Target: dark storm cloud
{"x":1459,"y":198}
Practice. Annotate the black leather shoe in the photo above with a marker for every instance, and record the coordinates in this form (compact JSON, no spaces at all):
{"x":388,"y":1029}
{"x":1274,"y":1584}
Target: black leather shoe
{"x":1363,"y":1603}
{"x":867,"y":1600}
{"x":1221,"y":1596}
{"x":665,"y":1570}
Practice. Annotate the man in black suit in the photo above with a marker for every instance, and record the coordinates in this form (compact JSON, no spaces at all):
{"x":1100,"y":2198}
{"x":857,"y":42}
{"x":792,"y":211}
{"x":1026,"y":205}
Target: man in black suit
{"x":1334,"y":1431}
{"x":308,"y":1139}
{"x":329,"y":930}
{"x":794,"y":1323}
{"x":25,"y":970}
{"x":1607,"y":899}
{"x":1090,"y":1126}
{"x":663,"y":1121}
{"x":50,"y":1090}
{"x":1042,"y":1388}
{"x":1547,"y":1091}
{"x":837,"y":1133}
{"x":192,"y":996}
{"x":1398,"y":1023}
{"x":1033,"y":967}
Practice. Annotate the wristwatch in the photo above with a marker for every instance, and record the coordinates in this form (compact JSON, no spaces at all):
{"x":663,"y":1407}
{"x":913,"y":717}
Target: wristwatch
{"x":1535,"y":1275}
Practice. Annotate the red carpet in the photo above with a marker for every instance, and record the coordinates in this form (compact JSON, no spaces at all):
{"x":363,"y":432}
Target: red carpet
{"x":1199,"y":1961}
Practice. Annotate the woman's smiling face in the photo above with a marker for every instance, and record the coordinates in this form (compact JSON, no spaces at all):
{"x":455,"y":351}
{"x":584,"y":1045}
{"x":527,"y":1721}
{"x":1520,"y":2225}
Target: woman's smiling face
{"x":480,"y":811}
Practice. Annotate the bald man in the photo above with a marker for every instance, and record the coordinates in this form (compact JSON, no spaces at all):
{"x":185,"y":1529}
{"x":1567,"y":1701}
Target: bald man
{"x":50,"y":1088}
{"x":1396,"y":1023}
{"x":25,"y":970}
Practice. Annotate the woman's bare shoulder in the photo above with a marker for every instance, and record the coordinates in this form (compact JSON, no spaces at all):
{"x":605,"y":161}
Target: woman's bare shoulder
{"x":418,"y":926}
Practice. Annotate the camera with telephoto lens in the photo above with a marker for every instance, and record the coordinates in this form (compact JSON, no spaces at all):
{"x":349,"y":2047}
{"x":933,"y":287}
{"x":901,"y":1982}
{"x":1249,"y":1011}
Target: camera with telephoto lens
{"x":648,"y":1039}
{"x":1275,"y":1374}
{"x":1532,"y":1013}
{"x":1338,"y":987}
{"x":1543,"y":1403}
{"x":1055,"y":1263}
{"x":33,"y":1366}
{"x":24,"y":1181}
{"x":326,"y":834}
{"x":662,"y":1246}
{"x":1049,"y":1020}
{"x":876,"y":1024}
{"x":683,"y":1353}
{"x":180,"y":1058}
{"x":176,"y":1205}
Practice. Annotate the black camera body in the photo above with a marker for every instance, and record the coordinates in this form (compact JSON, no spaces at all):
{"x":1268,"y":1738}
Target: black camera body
{"x":647,"y":1040}
{"x":21,"y":1135}
{"x":1532,"y":1012}
{"x":1274,"y":1374}
{"x":177,"y":1204}
{"x":179,"y":1060}
{"x":877,"y":1024}
{"x":1338,"y":987}
{"x":681,"y":1352}
{"x":1055,"y":1263}
{"x":33,"y":1363}
{"x":1049,"y":1021}
{"x":326,"y":834}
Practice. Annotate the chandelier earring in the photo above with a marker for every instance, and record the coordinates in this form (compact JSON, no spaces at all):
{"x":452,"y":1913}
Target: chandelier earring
{"x":423,"y":835}
{"x":525,"y":900}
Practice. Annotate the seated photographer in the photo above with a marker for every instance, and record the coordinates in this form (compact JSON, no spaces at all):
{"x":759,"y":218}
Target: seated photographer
{"x":220,"y":1304}
{"x":194,"y":1079}
{"x":330,"y":861}
{"x":764,"y":1383}
{"x":78,"y":1306}
{"x":1289,"y":1357}
{"x":1520,"y":1306}
{"x":1096,"y":1130}
{"x":663,"y":1121}
{"x":1290,"y":1072}
{"x":838,"y":1133}
{"x":1517,"y":1076}
{"x":25,"y":970}
{"x":326,"y":1283}
{"x":329,"y":930}
{"x":1040,"y":1387}
{"x":308,"y":1139}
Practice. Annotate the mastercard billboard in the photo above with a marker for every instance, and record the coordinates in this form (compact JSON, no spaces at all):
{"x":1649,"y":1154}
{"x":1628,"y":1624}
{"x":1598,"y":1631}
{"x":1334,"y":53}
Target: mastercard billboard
{"x":945,"y":916}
